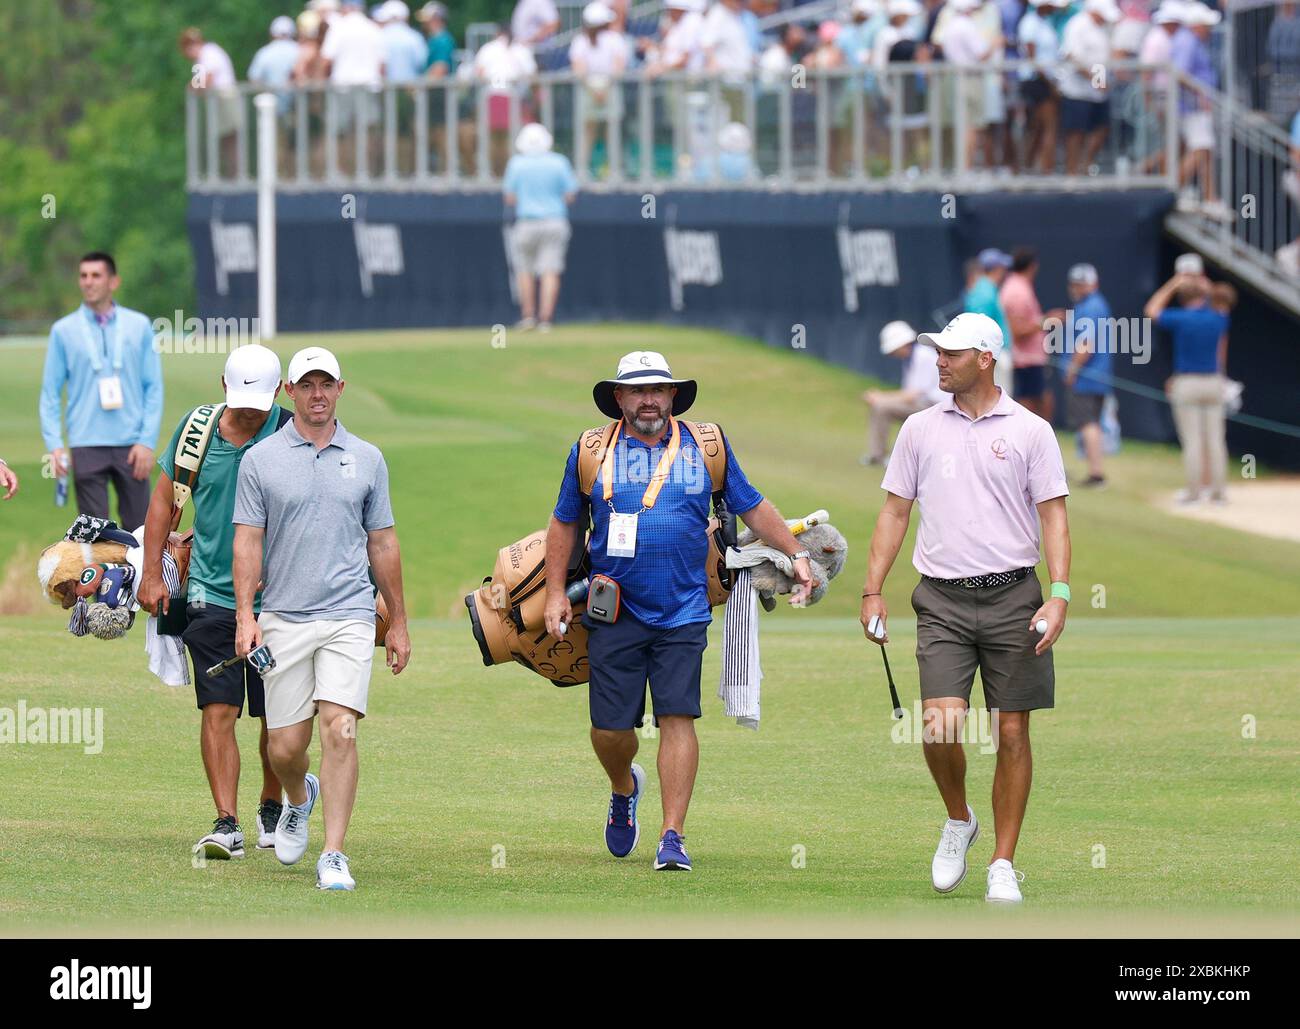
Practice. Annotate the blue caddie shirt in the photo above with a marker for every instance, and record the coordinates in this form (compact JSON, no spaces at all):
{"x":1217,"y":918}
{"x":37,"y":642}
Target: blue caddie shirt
{"x":666,"y":584}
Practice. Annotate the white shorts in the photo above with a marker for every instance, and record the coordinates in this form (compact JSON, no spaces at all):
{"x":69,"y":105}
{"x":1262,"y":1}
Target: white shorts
{"x":320,"y":660}
{"x":540,"y":245}
{"x":1198,"y":130}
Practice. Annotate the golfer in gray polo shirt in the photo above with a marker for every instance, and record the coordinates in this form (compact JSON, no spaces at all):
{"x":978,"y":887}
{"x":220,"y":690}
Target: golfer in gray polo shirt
{"x":311,"y":510}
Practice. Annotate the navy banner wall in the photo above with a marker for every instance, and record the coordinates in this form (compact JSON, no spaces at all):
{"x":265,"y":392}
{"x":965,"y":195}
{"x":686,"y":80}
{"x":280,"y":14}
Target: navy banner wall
{"x":824,"y":270}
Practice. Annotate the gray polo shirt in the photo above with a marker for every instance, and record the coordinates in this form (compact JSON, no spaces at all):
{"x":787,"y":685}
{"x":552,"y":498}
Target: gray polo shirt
{"x":316,"y":507}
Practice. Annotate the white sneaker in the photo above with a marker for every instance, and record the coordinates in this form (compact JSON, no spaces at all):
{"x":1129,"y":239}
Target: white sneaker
{"x":291,"y":829}
{"x":332,"y":872}
{"x":526,"y":324}
{"x":948,"y":868}
{"x":1187,"y":496}
{"x":1004,"y":883}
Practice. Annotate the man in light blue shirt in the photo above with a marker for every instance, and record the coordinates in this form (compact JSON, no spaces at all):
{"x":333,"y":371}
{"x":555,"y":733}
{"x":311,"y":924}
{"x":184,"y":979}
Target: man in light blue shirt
{"x":104,"y":355}
{"x":272,"y":65}
{"x":404,"y":48}
{"x":539,"y":184}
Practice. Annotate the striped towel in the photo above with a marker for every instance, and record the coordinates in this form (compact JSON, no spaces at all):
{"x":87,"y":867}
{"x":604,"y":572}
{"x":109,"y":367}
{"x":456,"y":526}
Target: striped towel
{"x":741,"y":673}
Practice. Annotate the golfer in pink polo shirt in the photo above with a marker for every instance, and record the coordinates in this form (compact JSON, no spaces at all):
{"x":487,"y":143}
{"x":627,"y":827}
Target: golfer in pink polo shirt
{"x":987,"y":473}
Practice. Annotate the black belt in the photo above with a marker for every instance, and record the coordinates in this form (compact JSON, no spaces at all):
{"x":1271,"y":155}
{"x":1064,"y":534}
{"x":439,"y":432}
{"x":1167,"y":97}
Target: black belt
{"x":979,"y":582}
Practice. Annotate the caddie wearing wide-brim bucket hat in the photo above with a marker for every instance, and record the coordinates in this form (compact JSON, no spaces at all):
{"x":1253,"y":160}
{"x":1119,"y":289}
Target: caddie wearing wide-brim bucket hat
{"x":648,"y":553}
{"x":642,"y":368}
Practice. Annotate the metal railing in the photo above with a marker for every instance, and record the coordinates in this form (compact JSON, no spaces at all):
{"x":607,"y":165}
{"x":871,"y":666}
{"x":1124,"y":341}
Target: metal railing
{"x":1238,"y":203}
{"x":906,"y":126}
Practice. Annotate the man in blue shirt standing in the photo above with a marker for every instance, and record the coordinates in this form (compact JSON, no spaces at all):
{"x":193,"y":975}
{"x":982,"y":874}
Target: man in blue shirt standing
{"x":1088,"y":377}
{"x":539,"y":184}
{"x":104,"y":354}
{"x":649,"y":510}
{"x":1196,"y":387}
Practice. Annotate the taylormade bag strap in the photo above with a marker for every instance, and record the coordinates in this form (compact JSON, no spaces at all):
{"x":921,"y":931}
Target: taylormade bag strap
{"x":192,"y":447}
{"x":708,"y":437}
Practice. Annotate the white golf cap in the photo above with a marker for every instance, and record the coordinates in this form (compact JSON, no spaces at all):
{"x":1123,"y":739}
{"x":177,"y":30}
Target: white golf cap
{"x":896,"y":335}
{"x":903,"y":8}
{"x":965,"y":6}
{"x":252,"y":376}
{"x":533,"y":138}
{"x":1171,"y":12}
{"x":1107,"y":9}
{"x":1189,"y":264}
{"x":397,"y":11}
{"x":283,"y":27}
{"x":313,"y":359}
{"x":643,"y":368}
{"x":967,"y":331}
{"x":1082,"y":275}
{"x":863,"y":7}
{"x":735,"y":138}
{"x":596,"y":14}
{"x":1198,"y":14}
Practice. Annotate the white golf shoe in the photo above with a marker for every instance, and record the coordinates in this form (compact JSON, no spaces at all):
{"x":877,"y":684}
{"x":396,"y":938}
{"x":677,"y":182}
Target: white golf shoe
{"x":291,"y":829}
{"x":332,"y":872}
{"x":226,"y":841}
{"x":948,"y":868}
{"x":1004,"y":883}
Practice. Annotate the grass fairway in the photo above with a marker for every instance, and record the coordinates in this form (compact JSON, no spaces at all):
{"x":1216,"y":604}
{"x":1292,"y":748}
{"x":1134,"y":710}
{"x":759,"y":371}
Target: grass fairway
{"x":480,"y":803}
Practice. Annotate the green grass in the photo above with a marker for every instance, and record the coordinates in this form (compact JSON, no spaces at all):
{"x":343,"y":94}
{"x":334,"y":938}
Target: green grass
{"x":1144,"y":756}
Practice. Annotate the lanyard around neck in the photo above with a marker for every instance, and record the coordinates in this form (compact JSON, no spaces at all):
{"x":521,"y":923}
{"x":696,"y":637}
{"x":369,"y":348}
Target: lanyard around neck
{"x":95,"y":361}
{"x":661,"y":470}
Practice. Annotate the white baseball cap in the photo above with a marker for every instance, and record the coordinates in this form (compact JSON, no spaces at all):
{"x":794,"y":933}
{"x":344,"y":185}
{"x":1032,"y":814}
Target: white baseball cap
{"x":596,"y":14}
{"x":735,"y":138}
{"x":252,"y":376}
{"x":967,"y":331}
{"x":1171,"y":12}
{"x":533,"y":138}
{"x":1108,"y":9}
{"x":313,"y":359}
{"x":1189,"y":264}
{"x":1082,"y":274}
{"x":896,"y":335}
{"x":283,"y":27}
{"x":1198,"y":14}
{"x":863,"y":7}
{"x":965,"y":6}
{"x":903,"y":8}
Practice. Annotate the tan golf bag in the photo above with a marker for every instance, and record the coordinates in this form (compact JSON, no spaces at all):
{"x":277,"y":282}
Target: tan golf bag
{"x":507,"y":612}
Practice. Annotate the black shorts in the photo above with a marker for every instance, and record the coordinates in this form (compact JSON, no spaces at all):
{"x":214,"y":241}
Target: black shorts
{"x":1084,"y":409}
{"x":1084,"y":115}
{"x":627,"y":654}
{"x":1036,"y":91}
{"x":1030,"y":382}
{"x":210,"y":637}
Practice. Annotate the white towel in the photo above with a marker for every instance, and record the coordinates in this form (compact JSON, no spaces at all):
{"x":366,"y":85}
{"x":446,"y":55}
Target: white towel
{"x":741,"y":673}
{"x":166,"y":655}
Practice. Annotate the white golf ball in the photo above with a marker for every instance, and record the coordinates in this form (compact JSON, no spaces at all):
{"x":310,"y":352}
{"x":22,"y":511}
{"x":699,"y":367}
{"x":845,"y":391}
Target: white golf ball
{"x":1041,"y":626}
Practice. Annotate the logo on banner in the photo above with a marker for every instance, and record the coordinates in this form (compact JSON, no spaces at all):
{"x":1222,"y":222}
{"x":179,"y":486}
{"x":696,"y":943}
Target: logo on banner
{"x":379,"y":252}
{"x":694,"y":259}
{"x":867,"y":258}
{"x":234,"y":249}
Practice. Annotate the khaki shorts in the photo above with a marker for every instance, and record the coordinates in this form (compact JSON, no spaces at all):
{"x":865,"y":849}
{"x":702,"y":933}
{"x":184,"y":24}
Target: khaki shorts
{"x":314,"y":661}
{"x":959,"y":630}
{"x":540,"y":245}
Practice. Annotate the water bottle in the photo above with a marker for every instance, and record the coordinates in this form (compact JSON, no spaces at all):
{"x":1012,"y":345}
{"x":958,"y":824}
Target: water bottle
{"x":61,"y":491}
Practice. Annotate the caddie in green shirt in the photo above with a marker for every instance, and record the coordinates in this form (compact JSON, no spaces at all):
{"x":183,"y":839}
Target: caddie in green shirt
{"x":201,"y":465}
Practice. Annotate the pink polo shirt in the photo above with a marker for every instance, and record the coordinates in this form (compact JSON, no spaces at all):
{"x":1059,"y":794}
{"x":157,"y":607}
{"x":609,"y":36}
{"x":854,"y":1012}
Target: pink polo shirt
{"x":976,"y":483}
{"x":1020,"y":303}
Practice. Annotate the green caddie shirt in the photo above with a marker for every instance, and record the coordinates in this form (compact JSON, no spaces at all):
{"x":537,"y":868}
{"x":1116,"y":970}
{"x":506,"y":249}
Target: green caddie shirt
{"x":213,"y":503}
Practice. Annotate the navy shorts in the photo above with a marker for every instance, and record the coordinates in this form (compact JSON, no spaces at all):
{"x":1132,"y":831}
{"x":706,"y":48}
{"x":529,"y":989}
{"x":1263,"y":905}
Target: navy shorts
{"x":1084,"y":115}
{"x":628,"y":654}
{"x":210,"y":638}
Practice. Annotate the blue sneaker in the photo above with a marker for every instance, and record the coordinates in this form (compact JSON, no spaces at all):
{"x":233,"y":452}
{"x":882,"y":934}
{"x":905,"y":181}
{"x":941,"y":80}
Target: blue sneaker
{"x":672,"y":856}
{"x":622,"y":830}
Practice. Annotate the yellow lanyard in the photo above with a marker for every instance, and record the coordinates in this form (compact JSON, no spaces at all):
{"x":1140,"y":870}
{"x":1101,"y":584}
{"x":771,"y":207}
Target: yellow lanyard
{"x":661,"y":470}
